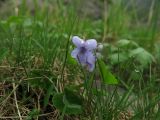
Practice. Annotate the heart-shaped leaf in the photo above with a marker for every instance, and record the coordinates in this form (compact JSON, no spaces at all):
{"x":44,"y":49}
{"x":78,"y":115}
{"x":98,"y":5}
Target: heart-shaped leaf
{"x":68,"y":101}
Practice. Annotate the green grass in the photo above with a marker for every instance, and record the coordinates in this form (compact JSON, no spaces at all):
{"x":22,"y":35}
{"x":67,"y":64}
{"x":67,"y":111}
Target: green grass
{"x":40,"y":80}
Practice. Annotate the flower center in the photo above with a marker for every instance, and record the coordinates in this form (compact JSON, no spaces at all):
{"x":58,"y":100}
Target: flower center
{"x":83,"y":50}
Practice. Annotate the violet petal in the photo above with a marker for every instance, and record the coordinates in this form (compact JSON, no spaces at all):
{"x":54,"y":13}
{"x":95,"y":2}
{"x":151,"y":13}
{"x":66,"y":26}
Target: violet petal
{"x":74,"y":53}
{"x":78,"y":42}
{"x":91,"y":44}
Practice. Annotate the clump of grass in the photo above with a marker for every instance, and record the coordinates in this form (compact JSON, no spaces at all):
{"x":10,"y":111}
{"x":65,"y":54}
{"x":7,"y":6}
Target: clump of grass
{"x":40,"y":80}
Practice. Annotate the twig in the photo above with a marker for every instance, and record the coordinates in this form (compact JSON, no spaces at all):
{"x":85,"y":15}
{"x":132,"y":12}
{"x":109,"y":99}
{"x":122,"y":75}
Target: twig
{"x":15,"y":97}
{"x":16,"y":117}
{"x":11,"y":93}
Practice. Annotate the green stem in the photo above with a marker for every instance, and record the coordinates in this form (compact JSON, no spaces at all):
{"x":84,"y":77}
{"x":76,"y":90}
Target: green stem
{"x":66,"y":54}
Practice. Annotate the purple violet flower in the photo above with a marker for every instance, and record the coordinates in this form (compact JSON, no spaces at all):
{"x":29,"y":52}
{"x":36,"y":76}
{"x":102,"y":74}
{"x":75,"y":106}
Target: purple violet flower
{"x":84,"y":53}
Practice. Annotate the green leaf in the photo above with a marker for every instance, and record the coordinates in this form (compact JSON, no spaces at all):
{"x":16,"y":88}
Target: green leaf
{"x":72,"y":96}
{"x":58,"y":101}
{"x":123,"y":42}
{"x":142,"y":56}
{"x":68,"y":101}
{"x":71,"y":108}
{"x":118,"y":57}
{"x":107,"y":76}
{"x":126,"y":43}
